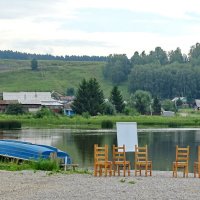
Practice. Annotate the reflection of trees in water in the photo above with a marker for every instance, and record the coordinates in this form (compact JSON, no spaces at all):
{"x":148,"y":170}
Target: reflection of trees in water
{"x":162,"y":147}
{"x":85,"y":145}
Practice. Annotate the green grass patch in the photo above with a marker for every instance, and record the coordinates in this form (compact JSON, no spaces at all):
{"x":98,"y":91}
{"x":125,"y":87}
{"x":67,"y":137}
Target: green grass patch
{"x":45,"y":164}
{"x":95,"y":122}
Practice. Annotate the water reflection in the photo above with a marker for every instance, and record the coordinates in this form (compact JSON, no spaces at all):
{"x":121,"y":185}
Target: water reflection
{"x":161,"y":144}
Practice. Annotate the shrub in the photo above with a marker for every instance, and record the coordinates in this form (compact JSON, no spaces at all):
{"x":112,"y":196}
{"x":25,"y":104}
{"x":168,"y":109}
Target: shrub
{"x":44,"y":112}
{"x":107,"y":124}
{"x":15,"y":109}
{"x":109,"y":108}
{"x":10,"y":125}
{"x":172,"y":125}
{"x":86,"y":115}
{"x":46,"y":164}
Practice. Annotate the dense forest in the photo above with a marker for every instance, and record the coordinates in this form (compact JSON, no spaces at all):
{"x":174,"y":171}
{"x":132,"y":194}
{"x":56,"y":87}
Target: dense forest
{"x":8,"y":54}
{"x":163,"y":74}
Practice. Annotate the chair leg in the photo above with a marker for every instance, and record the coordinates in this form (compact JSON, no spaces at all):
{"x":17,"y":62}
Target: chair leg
{"x":118,"y":170}
{"x":135,"y":170}
{"x":198,"y":167}
{"x":129,"y":169}
{"x":187,"y":171}
{"x":95,"y":170}
{"x":150,"y":169}
{"x":124,"y":169}
{"x":194,"y":170}
{"x":146,"y":167}
{"x":114,"y":169}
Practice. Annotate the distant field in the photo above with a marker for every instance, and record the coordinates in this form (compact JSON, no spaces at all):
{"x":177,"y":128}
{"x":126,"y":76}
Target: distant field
{"x":16,"y":75}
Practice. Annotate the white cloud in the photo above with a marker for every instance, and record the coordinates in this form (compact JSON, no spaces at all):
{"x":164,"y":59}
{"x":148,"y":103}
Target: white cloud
{"x":37,"y":26}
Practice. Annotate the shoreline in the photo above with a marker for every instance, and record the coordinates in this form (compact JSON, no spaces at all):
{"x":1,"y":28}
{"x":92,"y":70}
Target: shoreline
{"x":23,"y":185}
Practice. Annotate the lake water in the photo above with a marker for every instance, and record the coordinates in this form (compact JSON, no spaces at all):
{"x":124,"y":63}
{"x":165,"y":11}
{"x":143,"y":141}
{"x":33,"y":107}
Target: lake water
{"x":80,"y":145}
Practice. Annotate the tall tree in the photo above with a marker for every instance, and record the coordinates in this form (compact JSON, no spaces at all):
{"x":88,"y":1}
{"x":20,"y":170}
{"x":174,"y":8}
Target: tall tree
{"x":156,"y":106}
{"x":176,"y":56}
{"x":142,"y":101}
{"x":89,"y":98}
{"x":34,"y":64}
{"x":117,"y":68}
{"x":161,"y":55}
{"x":117,"y":100}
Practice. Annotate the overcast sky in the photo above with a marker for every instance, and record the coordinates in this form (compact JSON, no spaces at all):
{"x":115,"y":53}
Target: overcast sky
{"x":98,"y":27}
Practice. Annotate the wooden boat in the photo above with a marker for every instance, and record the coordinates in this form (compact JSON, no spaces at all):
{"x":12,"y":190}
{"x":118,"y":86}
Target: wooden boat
{"x":28,"y":151}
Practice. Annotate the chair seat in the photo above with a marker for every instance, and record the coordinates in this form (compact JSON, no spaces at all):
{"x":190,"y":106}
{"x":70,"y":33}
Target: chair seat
{"x":103,"y":163}
{"x":121,"y":162}
{"x":180,"y":163}
{"x":144,"y":163}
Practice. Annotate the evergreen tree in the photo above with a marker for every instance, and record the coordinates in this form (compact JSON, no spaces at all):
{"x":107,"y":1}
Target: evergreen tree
{"x":156,"y":106}
{"x":34,"y":64}
{"x":117,"y":100}
{"x":89,"y":98}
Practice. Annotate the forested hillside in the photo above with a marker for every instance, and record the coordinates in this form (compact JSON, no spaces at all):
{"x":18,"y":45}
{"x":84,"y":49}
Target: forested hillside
{"x":163,"y":74}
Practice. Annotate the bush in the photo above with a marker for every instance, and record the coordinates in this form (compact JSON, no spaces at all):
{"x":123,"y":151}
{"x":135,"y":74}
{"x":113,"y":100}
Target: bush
{"x":44,"y":112}
{"x":109,"y":109}
{"x":172,"y":125}
{"x":46,"y":164}
{"x":10,"y":125}
{"x":86,"y":115}
{"x":15,"y":109}
{"x":107,"y":124}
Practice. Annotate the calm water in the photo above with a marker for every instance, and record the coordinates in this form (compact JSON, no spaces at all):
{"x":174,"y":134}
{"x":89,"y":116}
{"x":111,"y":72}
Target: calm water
{"x":161,"y":143}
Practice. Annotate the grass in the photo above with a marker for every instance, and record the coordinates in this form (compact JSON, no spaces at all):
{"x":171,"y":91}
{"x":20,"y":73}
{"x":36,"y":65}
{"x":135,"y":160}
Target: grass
{"x":79,"y":122}
{"x":16,"y":75}
{"x":51,"y":166}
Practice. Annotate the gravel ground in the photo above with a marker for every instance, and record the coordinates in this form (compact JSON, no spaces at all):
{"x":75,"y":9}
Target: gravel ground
{"x":42,"y":186}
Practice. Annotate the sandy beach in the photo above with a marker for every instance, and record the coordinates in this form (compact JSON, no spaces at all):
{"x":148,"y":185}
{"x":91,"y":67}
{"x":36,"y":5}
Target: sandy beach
{"x":40,"y":185}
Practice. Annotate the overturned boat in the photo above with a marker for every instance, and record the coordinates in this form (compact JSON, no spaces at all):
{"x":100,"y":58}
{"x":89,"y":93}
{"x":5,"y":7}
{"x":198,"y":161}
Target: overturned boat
{"x":28,"y":151}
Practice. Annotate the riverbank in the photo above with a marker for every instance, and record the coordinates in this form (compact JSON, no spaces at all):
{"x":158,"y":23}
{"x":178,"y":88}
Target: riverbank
{"x":27,"y":185}
{"x":95,"y":122}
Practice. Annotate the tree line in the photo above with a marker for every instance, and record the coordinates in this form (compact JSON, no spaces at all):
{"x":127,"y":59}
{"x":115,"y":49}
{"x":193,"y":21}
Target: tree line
{"x":162,"y":74}
{"x":89,"y":100}
{"x":9,"y":54}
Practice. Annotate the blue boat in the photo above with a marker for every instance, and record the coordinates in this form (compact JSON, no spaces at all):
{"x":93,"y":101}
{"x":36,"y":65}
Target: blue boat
{"x":28,"y":151}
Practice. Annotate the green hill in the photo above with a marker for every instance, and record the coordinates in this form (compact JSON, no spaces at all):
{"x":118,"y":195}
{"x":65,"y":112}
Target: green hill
{"x":16,"y":75}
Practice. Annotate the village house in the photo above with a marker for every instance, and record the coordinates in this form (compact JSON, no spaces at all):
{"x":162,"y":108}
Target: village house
{"x":33,"y":101}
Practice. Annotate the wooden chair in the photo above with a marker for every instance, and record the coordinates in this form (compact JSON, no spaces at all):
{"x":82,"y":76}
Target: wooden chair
{"x":119,"y":160}
{"x":141,"y":161}
{"x":197,"y":164}
{"x":182,"y":159}
{"x":101,"y":163}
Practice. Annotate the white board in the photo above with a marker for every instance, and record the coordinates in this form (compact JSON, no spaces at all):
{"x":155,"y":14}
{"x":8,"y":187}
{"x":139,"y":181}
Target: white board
{"x":127,"y":135}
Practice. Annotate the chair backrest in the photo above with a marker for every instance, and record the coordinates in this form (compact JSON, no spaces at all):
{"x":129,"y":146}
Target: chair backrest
{"x":182,"y":154}
{"x":141,"y":154}
{"x":100,"y":153}
{"x":119,"y":153}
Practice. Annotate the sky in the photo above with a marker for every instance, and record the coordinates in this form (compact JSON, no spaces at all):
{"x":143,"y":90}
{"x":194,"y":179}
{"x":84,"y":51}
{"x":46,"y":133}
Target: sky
{"x":98,"y":27}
